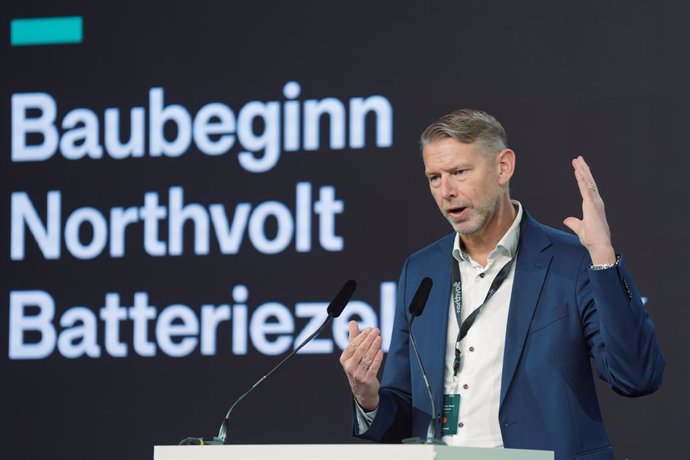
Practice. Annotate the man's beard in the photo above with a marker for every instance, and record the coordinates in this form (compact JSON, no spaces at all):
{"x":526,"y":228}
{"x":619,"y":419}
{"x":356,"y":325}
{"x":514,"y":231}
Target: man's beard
{"x":479,"y":216}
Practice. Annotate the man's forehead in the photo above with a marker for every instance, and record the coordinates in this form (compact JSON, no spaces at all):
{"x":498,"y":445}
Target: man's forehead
{"x":451,"y":147}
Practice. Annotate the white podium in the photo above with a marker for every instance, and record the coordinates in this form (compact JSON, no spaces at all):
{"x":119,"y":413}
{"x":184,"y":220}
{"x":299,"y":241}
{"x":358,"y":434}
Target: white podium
{"x":343,"y":452}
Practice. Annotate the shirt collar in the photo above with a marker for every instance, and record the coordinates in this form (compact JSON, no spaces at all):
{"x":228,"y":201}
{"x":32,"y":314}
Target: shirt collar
{"x":507,"y":244}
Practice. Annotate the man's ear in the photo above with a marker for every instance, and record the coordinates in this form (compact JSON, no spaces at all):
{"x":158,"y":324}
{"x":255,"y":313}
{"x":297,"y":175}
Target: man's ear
{"x":505,"y":162}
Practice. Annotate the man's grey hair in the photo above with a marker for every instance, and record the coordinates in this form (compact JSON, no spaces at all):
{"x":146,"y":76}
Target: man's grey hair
{"x":468,"y":126}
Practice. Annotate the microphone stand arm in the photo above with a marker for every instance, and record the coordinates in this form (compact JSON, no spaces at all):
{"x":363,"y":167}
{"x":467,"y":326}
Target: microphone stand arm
{"x":431,"y":430}
{"x":223,"y":431}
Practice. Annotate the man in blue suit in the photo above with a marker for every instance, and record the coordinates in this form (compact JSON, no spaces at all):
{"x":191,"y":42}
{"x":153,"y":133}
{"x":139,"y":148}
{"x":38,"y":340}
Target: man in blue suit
{"x":516,"y":312}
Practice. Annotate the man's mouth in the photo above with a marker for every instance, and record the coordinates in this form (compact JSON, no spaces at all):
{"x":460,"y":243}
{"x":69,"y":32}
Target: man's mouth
{"x":455,"y":213}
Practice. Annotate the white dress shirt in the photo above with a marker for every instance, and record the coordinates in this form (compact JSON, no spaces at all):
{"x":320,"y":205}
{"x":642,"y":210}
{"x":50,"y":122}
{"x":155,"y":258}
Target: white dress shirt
{"x":479,"y":379}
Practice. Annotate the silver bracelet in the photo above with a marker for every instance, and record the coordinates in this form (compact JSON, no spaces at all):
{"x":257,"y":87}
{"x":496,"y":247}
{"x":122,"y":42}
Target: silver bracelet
{"x":600,"y":267}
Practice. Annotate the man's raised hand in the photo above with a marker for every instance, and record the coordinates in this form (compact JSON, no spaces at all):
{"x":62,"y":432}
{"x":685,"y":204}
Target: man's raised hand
{"x":593,"y":229}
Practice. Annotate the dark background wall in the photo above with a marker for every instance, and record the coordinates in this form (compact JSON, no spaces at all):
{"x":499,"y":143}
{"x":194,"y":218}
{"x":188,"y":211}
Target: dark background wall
{"x":604,"y":79}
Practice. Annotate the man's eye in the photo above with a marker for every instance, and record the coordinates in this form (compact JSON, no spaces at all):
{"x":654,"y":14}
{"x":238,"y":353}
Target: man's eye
{"x":459,"y":172}
{"x":433,"y":179}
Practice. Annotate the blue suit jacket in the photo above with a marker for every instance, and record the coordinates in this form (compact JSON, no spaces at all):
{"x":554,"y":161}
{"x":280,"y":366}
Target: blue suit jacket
{"x":561,"y":315}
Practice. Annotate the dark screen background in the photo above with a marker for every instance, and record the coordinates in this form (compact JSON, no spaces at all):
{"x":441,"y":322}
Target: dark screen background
{"x":604,"y":79}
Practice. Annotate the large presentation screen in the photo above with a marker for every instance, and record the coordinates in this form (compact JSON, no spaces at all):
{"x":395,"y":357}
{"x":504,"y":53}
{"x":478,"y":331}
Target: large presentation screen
{"x":185,"y":186}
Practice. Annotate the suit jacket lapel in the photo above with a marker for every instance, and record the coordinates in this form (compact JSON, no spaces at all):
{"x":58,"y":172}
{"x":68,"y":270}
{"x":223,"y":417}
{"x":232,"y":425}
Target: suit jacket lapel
{"x":431,"y":327}
{"x":530,"y":271}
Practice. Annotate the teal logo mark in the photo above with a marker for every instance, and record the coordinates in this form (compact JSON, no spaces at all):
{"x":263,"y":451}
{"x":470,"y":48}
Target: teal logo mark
{"x":46,"y":31}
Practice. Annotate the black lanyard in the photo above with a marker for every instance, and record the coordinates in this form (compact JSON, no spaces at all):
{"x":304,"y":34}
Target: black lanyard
{"x":456,"y":293}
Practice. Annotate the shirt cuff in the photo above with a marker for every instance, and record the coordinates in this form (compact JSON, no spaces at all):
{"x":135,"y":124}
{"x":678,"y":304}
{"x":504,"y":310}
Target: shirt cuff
{"x":364,"y":418}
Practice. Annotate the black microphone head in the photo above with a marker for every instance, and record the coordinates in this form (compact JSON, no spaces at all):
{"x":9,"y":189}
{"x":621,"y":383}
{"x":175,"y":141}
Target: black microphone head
{"x":337,"y":305}
{"x":419,"y":300}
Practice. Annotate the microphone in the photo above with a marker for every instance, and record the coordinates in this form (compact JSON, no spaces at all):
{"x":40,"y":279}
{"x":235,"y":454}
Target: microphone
{"x":416,"y":308}
{"x":337,"y":305}
{"x":420,"y":297}
{"x":335,"y":308}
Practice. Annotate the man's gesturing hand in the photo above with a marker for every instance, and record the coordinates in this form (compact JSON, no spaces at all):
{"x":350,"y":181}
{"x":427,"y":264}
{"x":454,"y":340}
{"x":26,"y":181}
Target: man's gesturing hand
{"x":592,"y":229}
{"x":361,"y":361}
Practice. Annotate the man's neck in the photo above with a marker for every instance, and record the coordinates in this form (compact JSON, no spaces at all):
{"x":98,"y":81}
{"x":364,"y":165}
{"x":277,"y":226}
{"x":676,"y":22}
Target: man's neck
{"x":480,"y":244}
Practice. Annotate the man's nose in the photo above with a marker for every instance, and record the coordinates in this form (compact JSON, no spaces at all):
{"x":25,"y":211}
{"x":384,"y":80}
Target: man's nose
{"x":448,"y":189}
